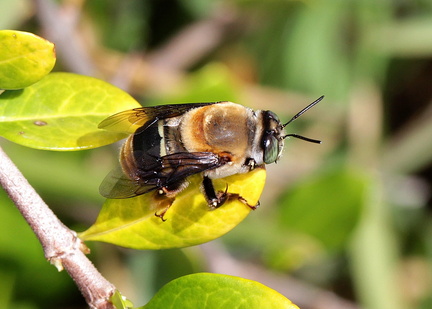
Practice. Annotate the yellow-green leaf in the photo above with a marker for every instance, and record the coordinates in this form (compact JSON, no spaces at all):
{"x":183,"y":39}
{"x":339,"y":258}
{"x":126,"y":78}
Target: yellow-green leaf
{"x":24,"y":59}
{"x":62,"y":112}
{"x":121,"y":302}
{"x":189,"y":221}
{"x":215,"y":291}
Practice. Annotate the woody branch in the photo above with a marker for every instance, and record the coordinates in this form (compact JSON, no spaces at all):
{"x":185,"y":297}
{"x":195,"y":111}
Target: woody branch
{"x":60,"y":244}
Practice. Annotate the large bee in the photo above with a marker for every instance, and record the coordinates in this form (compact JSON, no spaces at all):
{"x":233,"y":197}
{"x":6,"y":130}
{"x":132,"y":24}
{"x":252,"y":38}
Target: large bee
{"x":173,"y":142}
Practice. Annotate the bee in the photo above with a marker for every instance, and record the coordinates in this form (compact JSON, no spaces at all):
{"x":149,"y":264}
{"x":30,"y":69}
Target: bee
{"x":172,"y":142}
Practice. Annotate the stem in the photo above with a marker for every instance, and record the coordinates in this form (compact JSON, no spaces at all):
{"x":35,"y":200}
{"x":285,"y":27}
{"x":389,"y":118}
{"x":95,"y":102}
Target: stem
{"x":60,"y":244}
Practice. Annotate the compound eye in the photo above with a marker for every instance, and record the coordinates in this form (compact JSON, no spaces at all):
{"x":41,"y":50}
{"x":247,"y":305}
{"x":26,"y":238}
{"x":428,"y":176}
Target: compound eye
{"x":273,"y":116}
{"x":271,"y":149}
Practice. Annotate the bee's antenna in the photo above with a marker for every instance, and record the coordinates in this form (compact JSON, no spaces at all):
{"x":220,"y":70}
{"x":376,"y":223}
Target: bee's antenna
{"x":304,"y":110}
{"x":307,"y":139}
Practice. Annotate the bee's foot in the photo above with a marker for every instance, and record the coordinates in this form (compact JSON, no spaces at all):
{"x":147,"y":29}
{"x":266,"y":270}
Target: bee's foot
{"x":161,"y":215}
{"x":244,"y":201}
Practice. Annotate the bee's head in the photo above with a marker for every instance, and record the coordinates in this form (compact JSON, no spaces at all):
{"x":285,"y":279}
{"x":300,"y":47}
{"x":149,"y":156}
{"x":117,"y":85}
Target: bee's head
{"x":272,"y":140}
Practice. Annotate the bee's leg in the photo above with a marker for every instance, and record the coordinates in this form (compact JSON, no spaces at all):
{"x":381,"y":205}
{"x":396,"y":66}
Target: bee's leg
{"x":216,"y":200}
{"x":244,"y":201}
{"x":161,"y":214}
{"x":213,"y":199}
{"x":164,"y":197}
{"x":173,"y":189}
{"x":162,"y":204}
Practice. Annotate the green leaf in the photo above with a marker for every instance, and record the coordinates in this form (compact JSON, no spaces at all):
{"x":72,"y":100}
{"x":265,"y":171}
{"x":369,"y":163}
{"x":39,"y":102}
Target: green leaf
{"x":189,"y":221}
{"x":210,"y":291}
{"x":24,"y":59}
{"x":316,"y":40}
{"x":121,"y":302}
{"x":62,"y":112}
{"x":326,"y":207}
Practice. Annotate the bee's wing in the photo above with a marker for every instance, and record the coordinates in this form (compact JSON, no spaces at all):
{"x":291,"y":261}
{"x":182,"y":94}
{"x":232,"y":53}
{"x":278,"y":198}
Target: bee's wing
{"x":178,"y":166}
{"x":130,"y":120}
{"x":171,"y":171}
{"x":116,"y":185}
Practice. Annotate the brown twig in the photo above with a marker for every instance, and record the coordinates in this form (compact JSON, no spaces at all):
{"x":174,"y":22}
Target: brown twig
{"x":60,"y":244}
{"x":195,"y":41}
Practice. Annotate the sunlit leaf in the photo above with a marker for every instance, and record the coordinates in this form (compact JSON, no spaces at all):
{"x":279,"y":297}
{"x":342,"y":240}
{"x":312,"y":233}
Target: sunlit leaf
{"x":206,"y":290}
{"x":24,"y":59}
{"x":121,"y":302}
{"x":62,"y":112}
{"x":189,"y":221}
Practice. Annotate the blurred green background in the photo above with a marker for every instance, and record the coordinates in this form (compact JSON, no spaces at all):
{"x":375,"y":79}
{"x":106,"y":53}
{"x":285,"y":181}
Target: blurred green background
{"x":345,"y":224}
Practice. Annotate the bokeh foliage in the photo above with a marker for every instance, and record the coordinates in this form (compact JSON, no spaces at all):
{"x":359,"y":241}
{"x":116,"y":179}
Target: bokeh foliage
{"x":351,"y":215}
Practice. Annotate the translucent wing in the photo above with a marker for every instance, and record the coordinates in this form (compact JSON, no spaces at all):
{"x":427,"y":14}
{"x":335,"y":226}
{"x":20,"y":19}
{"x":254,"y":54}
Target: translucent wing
{"x":117,"y":185}
{"x":130,"y":120}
